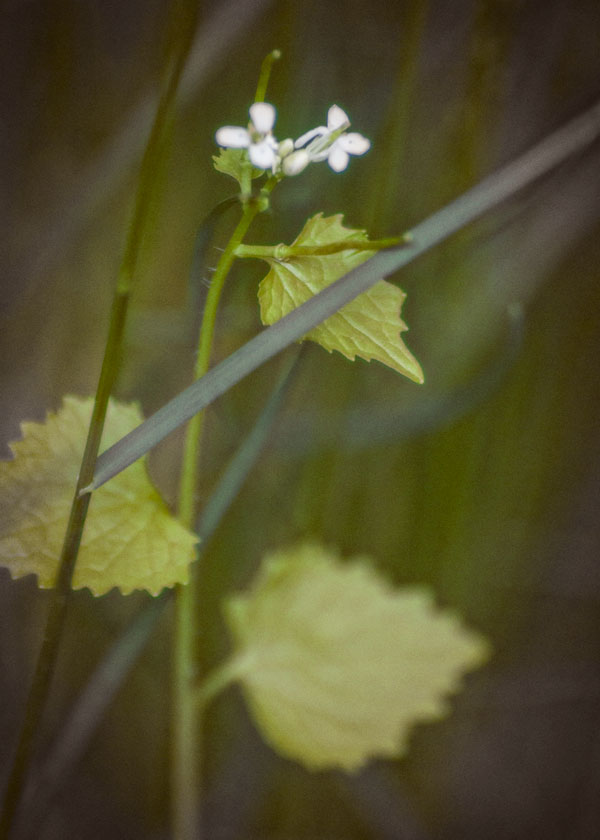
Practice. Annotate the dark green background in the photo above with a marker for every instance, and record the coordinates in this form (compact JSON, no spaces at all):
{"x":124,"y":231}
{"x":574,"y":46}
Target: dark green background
{"x":483,"y":483}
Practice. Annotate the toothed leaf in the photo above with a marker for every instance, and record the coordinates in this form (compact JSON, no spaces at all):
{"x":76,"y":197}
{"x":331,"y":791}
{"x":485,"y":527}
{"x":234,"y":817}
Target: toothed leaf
{"x":336,"y":664}
{"x":369,"y":326}
{"x":130,"y":539}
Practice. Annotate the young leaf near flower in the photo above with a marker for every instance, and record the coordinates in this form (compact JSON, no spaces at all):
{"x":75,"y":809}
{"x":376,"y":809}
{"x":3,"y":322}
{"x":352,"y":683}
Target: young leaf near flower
{"x":336,"y":665}
{"x":234,"y":162}
{"x":369,"y":326}
{"x":131,"y":541}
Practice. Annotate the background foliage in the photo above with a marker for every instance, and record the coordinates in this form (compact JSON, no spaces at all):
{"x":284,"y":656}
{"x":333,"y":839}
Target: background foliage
{"x":481,"y":483}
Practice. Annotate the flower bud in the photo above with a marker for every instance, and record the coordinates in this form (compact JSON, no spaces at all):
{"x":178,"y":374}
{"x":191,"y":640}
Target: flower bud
{"x":294,"y":163}
{"x":285,"y":148}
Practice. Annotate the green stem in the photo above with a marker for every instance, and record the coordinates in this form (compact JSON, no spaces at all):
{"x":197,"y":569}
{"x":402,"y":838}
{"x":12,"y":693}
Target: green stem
{"x":221,"y":677}
{"x":59,"y":596}
{"x":284,"y":252}
{"x":265,"y":73}
{"x":185,"y":758}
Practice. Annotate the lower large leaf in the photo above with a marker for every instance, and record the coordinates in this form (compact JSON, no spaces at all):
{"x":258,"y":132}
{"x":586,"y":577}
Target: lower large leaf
{"x":337,"y":665}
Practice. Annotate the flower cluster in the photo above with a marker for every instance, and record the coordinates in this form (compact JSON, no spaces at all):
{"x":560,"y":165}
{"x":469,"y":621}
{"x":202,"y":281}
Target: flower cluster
{"x":331,"y":142}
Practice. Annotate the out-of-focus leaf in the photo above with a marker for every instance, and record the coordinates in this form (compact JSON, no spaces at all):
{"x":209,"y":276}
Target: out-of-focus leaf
{"x":130,"y":541}
{"x":369,"y":326}
{"x":337,"y":666}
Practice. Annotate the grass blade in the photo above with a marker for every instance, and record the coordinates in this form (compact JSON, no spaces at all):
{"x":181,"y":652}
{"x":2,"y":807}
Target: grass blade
{"x":489,"y":193}
{"x":72,"y":742}
{"x":244,"y":459}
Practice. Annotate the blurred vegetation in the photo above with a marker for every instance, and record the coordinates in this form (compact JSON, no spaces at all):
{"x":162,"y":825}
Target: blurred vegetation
{"x":482,"y":483}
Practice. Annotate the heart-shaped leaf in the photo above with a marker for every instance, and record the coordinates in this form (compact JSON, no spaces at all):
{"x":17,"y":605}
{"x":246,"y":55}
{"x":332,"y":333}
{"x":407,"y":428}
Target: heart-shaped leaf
{"x":337,"y":666}
{"x":130,"y":540}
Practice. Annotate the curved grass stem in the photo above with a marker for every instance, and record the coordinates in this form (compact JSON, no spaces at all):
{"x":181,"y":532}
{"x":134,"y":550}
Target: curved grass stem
{"x":59,"y":597}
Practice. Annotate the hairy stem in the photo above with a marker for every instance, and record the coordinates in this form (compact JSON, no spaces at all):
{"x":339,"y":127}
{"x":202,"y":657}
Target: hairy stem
{"x":186,"y":746}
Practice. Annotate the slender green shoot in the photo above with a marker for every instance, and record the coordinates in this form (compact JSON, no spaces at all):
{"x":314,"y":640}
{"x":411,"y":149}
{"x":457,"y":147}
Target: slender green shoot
{"x":46,"y":661}
{"x":185,"y":758}
{"x":265,"y":74}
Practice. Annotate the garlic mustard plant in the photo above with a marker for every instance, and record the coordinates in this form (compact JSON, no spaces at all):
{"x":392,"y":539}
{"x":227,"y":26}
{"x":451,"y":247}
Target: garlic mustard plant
{"x":330,"y":142}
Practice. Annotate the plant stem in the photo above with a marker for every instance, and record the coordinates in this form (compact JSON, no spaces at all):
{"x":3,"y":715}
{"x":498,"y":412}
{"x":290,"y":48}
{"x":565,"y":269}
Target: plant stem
{"x":185,"y":758}
{"x":284,"y":252}
{"x":59,"y":596}
{"x":218,"y":679}
{"x":265,"y":73}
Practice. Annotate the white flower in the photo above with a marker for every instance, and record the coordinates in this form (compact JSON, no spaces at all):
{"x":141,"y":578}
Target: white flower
{"x":257,"y":138}
{"x":331,"y":143}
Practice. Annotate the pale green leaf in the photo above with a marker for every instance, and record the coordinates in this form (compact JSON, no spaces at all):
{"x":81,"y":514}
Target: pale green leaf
{"x":369,"y":326}
{"x":234,"y":162}
{"x":130,"y":539}
{"x":337,"y":666}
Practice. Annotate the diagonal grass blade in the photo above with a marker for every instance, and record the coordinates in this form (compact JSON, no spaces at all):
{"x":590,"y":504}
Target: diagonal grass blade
{"x":489,"y":193}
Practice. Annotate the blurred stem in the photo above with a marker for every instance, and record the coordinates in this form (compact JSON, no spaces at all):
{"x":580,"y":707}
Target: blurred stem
{"x":59,"y":596}
{"x":218,"y":680}
{"x":389,"y":179}
{"x":186,"y":746}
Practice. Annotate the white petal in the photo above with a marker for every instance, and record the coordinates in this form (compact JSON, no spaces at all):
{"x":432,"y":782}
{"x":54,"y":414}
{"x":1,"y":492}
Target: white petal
{"x":262,"y":155}
{"x":294,"y":164}
{"x":318,"y":156}
{"x":354,"y":144}
{"x":338,"y":158}
{"x":336,"y":118}
{"x":233,"y":137}
{"x":263,"y":116}
{"x":314,"y":132}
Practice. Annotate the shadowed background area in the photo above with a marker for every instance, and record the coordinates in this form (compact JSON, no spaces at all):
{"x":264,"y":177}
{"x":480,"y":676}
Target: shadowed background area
{"x":482,"y":483}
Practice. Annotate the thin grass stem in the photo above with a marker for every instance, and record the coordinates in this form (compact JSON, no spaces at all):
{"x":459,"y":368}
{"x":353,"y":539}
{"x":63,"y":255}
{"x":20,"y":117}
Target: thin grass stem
{"x":59,"y":598}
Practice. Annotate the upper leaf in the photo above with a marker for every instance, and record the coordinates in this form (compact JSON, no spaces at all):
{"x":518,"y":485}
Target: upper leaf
{"x":130,"y":539}
{"x":369,"y":326}
{"x":234,"y":162}
{"x":336,"y":665}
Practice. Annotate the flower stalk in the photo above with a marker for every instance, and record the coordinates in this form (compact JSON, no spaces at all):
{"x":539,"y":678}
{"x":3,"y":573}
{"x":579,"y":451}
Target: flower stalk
{"x":186,"y":776}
